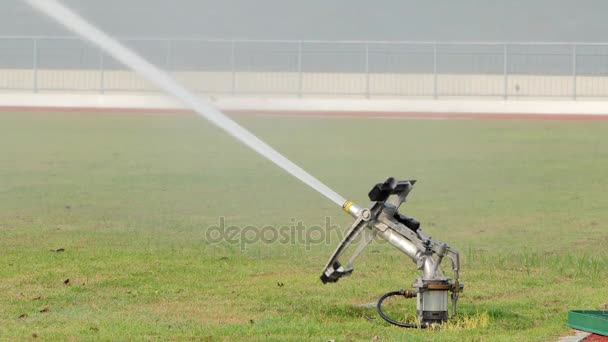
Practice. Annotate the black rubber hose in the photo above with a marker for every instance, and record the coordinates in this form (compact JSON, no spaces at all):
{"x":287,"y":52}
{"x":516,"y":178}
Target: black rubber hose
{"x":390,"y":320}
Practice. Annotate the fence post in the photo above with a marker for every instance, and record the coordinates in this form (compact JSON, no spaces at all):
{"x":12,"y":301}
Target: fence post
{"x":35,"y":64}
{"x":233,"y":67}
{"x":300,"y":76}
{"x":505,"y":85}
{"x":102,"y":72}
{"x":574,"y":71}
{"x":435,"y":95}
{"x":367,"y":94}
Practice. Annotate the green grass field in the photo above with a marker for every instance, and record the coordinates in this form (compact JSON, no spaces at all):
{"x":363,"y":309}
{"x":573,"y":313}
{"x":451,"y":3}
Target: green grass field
{"x":130,"y":198}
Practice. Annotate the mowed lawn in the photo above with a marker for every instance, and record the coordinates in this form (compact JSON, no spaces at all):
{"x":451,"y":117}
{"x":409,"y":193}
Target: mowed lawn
{"x":105,"y":221}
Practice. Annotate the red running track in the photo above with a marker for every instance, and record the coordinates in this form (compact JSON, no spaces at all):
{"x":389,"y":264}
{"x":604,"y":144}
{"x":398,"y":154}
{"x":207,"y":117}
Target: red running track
{"x":345,"y":114}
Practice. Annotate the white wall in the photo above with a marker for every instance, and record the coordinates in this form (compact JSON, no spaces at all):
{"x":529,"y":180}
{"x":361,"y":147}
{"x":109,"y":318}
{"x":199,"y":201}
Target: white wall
{"x":387,"y":107}
{"x":395,"y":93}
{"x":315,"y":84}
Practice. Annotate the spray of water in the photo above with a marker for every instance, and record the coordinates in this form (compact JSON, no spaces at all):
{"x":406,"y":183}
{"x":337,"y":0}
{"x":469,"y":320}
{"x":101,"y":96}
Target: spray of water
{"x":164,"y":81}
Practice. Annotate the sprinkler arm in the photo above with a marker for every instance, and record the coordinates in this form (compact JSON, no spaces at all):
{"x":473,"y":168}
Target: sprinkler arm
{"x":384,"y":219}
{"x":391,"y":193}
{"x":334,"y":270}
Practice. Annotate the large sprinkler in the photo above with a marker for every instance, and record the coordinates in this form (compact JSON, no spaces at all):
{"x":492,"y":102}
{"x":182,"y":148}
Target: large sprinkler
{"x":382,"y":218}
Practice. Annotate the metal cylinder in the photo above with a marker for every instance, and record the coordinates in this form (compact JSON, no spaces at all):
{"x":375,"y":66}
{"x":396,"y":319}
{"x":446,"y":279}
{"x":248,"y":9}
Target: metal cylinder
{"x":352,"y":208}
{"x":433,"y":306}
{"x":401,"y":243}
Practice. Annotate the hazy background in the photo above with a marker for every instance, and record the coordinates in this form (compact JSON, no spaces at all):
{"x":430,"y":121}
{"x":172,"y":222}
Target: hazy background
{"x":168,"y":22}
{"x":445,"y":20}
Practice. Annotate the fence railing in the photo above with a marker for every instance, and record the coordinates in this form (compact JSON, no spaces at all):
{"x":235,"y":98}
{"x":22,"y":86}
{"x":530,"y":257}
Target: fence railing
{"x":315,"y":68}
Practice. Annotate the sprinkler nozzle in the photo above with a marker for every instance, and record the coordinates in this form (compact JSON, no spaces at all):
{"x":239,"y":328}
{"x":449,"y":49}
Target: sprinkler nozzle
{"x":356,"y":210}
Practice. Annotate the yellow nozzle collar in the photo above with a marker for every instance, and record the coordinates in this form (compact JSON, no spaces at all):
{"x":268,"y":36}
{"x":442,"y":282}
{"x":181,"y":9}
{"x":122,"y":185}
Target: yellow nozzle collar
{"x":347,"y":205}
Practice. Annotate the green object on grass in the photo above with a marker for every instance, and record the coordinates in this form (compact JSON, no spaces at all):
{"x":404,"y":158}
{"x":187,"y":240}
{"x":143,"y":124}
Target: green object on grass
{"x":589,"y":320}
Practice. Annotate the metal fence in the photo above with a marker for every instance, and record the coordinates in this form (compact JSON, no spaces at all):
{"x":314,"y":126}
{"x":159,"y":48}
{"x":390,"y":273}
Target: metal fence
{"x":315,"y":68}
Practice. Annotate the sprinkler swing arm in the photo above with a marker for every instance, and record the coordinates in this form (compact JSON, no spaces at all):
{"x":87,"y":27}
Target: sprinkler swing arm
{"x":384,"y":219}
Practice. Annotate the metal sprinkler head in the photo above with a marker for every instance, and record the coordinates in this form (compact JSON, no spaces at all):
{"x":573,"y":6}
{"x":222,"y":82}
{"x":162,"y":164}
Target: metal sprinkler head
{"x":432,"y":289}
